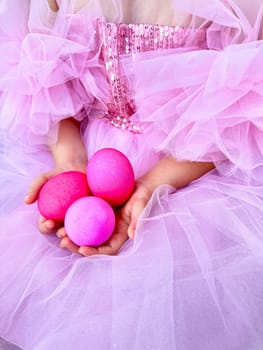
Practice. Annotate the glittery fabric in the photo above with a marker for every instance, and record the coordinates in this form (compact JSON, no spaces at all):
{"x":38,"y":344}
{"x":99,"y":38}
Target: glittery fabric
{"x":129,"y":39}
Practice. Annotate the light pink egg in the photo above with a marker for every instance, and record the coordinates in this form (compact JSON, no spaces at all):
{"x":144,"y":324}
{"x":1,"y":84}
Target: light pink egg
{"x":59,"y":192}
{"x":89,"y":221}
{"x":110,"y":176}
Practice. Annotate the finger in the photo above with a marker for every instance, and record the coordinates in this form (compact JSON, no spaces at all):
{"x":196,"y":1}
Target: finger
{"x":114,"y":243}
{"x":61,"y":232}
{"x":136,"y":211}
{"x":66,"y":243}
{"x":111,"y":247}
{"x":87,"y":251}
{"x":34,"y":188}
{"x":46,"y":226}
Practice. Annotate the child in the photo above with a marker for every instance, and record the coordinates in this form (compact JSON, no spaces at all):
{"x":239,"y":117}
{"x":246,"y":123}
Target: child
{"x":178,"y":88}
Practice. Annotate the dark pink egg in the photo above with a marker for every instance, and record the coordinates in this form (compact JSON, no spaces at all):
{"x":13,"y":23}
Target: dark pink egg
{"x":59,"y":192}
{"x":90,"y":221}
{"x":110,"y":176}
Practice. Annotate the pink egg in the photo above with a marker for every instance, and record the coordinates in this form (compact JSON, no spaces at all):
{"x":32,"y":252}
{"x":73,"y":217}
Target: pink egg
{"x":90,"y":221}
{"x":110,"y":176}
{"x":59,"y":192}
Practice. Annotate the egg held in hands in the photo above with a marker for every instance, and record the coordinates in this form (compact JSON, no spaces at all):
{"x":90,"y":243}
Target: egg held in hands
{"x":89,"y":221}
{"x":110,"y":176}
{"x":59,"y":192}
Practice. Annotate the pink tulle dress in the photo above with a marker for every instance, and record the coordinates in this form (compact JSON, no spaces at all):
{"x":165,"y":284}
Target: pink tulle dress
{"x":193,"y":277}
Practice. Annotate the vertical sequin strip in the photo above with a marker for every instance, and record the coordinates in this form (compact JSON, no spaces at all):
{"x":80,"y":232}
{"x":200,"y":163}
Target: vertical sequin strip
{"x":120,"y":39}
{"x":120,"y":108}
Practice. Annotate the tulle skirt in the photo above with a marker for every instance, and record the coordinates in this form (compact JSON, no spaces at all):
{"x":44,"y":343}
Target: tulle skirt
{"x":192,"y":279}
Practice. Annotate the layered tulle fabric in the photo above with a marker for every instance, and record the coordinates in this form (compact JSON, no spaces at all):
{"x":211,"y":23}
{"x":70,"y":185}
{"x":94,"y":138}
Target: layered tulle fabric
{"x":210,"y":99}
{"x":49,"y":69}
{"x":193,"y":277}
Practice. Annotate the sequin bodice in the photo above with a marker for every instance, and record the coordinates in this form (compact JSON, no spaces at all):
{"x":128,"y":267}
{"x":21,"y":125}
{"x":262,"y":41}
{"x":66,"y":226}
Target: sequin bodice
{"x":128,"y":39}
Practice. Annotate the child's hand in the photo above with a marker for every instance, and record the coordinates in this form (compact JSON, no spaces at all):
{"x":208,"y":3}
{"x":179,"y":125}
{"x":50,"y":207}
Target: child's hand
{"x":46,"y":226}
{"x":126,"y":221}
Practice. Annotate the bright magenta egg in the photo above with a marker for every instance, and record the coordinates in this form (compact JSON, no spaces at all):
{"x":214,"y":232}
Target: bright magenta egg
{"x":89,"y":221}
{"x":59,"y":192}
{"x":110,"y":176}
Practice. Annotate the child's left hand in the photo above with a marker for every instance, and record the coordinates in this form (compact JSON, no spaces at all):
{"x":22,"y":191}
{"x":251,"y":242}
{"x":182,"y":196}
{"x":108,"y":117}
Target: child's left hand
{"x":126,"y":221}
{"x":167,"y":171}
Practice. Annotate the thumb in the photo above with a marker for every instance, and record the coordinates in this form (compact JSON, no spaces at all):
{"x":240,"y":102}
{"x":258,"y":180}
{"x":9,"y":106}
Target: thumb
{"x":34,"y":188}
{"x":136,"y":210}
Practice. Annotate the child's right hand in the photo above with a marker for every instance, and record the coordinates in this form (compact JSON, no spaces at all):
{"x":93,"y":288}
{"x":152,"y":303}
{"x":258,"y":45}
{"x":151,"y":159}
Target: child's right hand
{"x":68,"y":154}
{"x":46,"y":226}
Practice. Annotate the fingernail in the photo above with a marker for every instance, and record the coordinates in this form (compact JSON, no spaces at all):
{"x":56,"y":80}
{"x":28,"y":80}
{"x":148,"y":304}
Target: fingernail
{"x":131,"y":234}
{"x":62,"y":244}
{"x":27,"y":197}
{"x":50,"y":224}
{"x":82,"y":251}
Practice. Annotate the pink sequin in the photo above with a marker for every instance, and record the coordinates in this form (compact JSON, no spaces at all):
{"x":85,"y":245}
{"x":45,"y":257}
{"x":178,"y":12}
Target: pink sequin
{"x":120,"y":39}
